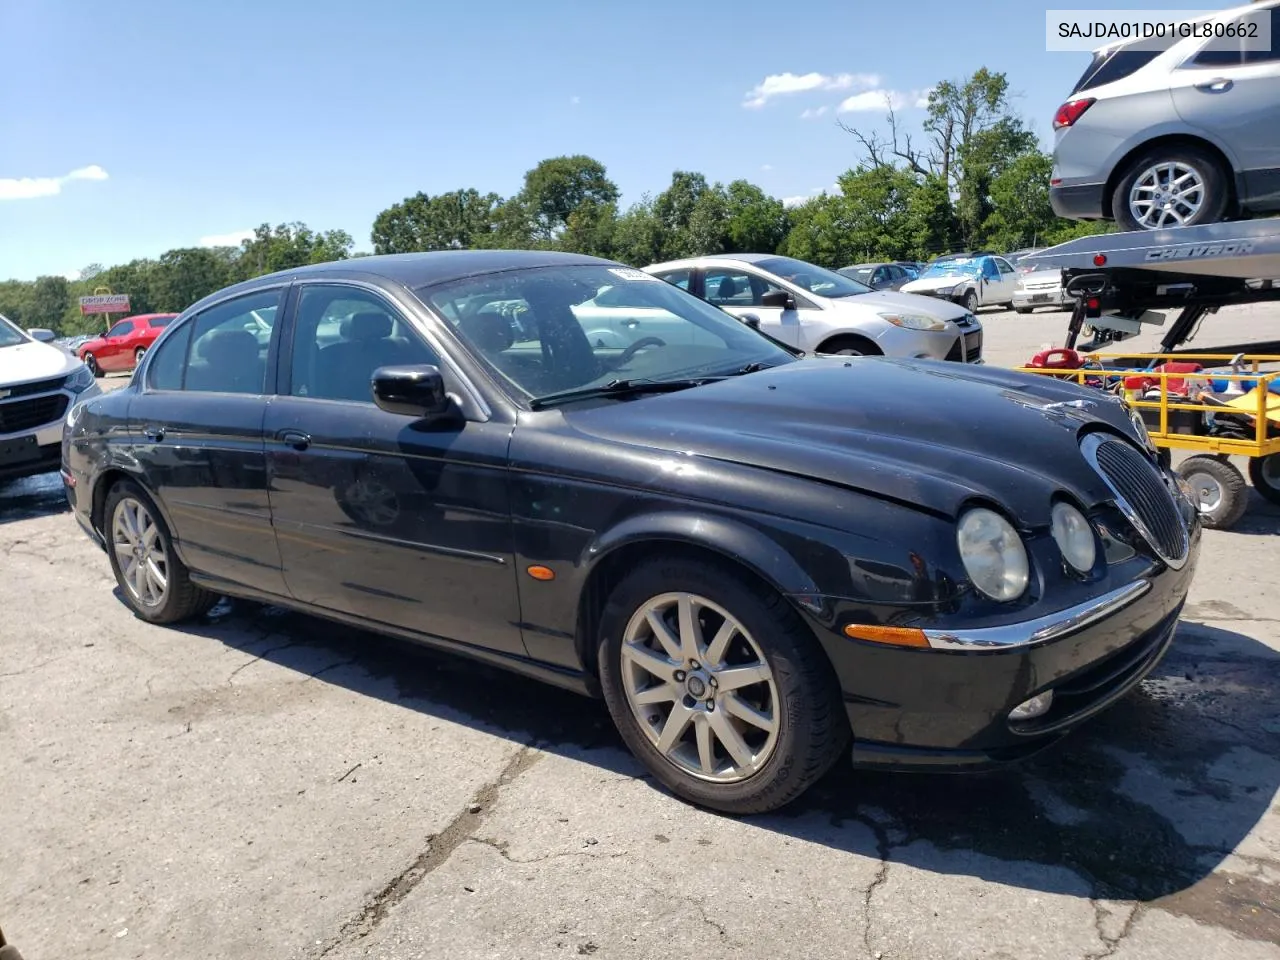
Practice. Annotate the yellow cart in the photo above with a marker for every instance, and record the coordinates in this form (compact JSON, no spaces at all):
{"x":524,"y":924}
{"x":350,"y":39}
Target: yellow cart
{"x":1230,"y":407}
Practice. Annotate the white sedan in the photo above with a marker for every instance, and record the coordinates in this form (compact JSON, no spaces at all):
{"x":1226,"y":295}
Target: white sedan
{"x":820,"y":311}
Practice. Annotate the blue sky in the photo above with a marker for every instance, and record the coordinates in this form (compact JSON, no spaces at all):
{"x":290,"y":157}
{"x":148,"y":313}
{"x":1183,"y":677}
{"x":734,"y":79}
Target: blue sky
{"x":127,"y":129}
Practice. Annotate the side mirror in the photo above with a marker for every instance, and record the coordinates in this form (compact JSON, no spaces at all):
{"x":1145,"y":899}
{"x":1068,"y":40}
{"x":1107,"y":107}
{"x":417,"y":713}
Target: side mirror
{"x":412,"y":391}
{"x":751,"y":320}
{"x":41,"y":334}
{"x":778,"y":298}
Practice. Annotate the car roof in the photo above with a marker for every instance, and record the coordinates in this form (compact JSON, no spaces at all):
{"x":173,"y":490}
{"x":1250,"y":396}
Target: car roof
{"x":714,"y":257}
{"x":437,"y":266}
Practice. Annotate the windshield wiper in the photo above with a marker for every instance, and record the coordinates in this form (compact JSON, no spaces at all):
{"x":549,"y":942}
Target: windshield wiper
{"x":617,"y":388}
{"x":754,"y":367}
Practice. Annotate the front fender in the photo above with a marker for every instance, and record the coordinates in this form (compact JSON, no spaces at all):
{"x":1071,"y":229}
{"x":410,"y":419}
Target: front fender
{"x":723,"y":535}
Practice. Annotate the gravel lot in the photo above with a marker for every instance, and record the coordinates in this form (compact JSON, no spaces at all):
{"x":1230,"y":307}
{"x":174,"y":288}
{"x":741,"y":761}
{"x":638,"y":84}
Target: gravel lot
{"x":266,"y":785}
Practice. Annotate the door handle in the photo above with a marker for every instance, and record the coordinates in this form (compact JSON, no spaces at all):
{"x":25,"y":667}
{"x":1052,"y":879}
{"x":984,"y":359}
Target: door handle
{"x":631,"y":324}
{"x":295,"y":438}
{"x":1216,"y":85}
{"x":153,"y":433}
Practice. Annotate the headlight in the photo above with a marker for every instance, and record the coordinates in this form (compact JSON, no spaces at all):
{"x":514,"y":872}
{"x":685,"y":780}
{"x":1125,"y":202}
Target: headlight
{"x":79,"y":381}
{"x":944,"y":291}
{"x":1074,"y":537}
{"x":915,"y":321}
{"x":993,"y":554}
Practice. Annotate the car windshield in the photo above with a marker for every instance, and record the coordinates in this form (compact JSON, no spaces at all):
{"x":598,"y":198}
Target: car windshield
{"x":861,"y":274}
{"x":552,"y":329}
{"x":815,"y":279}
{"x":952,"y":268}
{"x":10,"y":335}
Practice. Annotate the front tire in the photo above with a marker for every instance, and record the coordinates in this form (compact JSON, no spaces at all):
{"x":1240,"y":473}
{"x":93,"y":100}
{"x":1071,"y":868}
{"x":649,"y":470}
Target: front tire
{"x":970,"y":301}
{"x":720,"y":690}
{"x":91,"y":362}
{"x":155,"y":583}
{"x":1180,"y":186}
{"x":138,"y":355}
{"x":850,"y":347}
{"x":1023,"y":310}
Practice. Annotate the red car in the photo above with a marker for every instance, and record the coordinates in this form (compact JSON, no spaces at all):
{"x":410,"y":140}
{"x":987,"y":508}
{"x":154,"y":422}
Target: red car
{"x":121,"y":347}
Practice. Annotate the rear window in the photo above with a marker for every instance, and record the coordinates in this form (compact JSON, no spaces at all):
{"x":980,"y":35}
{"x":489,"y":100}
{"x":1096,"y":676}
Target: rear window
{"x":1110,"y":66}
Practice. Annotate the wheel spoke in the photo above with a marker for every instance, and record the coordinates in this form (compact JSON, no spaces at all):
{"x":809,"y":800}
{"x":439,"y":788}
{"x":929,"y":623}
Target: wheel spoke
{"x":706,"y":746}
{"x":663,"y":635}
{"x":720,"y":643}
{"x":157,"y":575}
{"x":647,"y":660}
{"x":677,"y":722}
{"x":735,"y":678}
{"x":139,"y":578}
{"x":658,"y":693}
{"x":691,"y":645}
{"x":744,"y":711}
{"x":149,"y":535}
{"x":733,"y":743}
{"x":124,"y":550}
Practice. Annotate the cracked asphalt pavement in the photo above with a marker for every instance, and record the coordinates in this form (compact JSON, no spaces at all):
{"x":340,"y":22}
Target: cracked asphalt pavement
{"x":262,"y":784}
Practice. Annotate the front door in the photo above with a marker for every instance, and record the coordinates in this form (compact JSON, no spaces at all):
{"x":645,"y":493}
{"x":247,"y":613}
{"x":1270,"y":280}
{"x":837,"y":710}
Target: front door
{"x":377,"y":515}
{"x":196,"y":428}
{"x":114,"y":352}
{"x":740,"y":292}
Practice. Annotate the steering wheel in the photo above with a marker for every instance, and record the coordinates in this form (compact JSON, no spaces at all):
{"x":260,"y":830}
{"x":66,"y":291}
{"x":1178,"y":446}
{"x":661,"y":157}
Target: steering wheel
{"x":625,"y":357}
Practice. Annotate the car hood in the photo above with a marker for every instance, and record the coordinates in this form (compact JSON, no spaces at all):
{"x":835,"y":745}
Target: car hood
{"x":95,"y":344}
{"x":935,"y":283}
{"x":926,"y":433}
{"x":928,"y":306}
{"x":1041,"y":276}
{"x":34,"y":361}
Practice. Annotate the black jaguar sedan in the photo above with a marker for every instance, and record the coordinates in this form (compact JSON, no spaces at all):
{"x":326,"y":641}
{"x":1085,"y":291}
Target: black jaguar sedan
{"x":566,"y":467}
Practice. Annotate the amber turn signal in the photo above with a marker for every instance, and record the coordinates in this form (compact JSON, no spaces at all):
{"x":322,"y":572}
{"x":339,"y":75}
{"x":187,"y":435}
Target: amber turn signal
{"x":894,"y":636}
{"x":541,"y":573}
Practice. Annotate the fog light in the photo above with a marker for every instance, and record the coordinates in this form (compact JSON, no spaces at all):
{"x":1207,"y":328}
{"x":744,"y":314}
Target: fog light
{"x":1035,"y":707}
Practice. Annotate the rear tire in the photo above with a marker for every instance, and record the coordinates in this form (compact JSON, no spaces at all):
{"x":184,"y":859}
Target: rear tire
{"x":1221,"y":495}
{"x":1022,"y":309}
{"x":154,"y":582}
{"x":1202,"y":173}
{"x":850,"y":346}
{"x":1264,"y":473}
{"x":751,"y":768}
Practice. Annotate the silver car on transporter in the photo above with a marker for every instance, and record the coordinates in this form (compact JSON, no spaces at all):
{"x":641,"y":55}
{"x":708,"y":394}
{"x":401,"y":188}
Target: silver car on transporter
{"x":1186,"y":135}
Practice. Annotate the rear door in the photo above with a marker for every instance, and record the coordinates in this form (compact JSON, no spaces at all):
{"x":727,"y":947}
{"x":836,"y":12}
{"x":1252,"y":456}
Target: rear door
{"x":196,"y":433}
{"x":1232,"y":90}
{"x":379,"y":516}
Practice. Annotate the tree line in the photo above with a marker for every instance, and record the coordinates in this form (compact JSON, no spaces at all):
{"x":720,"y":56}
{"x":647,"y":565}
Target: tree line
{"x":973,"y":176}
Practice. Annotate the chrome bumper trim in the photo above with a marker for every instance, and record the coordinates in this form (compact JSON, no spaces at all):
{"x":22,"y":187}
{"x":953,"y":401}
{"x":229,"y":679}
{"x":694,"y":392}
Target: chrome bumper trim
{"x":1042,"y":630}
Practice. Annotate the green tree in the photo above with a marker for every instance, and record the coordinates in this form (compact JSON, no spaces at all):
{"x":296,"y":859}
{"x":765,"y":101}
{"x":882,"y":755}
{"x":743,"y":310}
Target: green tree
{"x":48,"y":304}
{"x":822,"y":232}
{"x":458,"y":220}
{"x":553,"y":192}
{"x":757,"y":222}
{"x":183,"y":276}
{"x":638,"y":235}
{"x":1020,"y":212}
{"x":289,"y":245}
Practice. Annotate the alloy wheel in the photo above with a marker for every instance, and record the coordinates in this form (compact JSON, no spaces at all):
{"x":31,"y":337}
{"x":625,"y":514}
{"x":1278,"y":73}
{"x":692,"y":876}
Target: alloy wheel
{"x":139,"y":549}
{"x":700,"y":688}
{"x":1166,"y":194}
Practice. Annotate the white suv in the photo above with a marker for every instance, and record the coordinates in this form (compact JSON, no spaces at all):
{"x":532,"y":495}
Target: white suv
{"x":39,"y":383}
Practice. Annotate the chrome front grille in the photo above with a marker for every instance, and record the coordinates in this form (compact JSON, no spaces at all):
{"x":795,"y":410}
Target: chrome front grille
{"x":1141,"y":494}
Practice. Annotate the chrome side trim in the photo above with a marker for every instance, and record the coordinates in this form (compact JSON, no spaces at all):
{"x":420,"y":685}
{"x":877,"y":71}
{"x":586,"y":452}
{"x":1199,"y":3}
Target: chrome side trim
{"x":1041,"y":630}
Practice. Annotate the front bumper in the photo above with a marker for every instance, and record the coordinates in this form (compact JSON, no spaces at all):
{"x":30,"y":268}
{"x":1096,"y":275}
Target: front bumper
{"x":34,"y":444}
{"x":1050,"y":297}
{"x":949,"y":706}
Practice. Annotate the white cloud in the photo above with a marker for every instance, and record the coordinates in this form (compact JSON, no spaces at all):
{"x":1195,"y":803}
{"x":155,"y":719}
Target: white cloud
{"x":29,"y":188}
{"x":766,"y":167}
{"x":813,"y":112}
{"x":232,"y":239}
{"x":795,"y":201}
{"x":72,"y":276}
{"x":779,"y":84}
{"x":879,"y":99}
{"x":575,"y":100}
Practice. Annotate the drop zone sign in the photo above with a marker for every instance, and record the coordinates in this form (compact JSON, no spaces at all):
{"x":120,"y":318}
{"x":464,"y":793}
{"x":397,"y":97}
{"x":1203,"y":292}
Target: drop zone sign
{"x":105,"y":303}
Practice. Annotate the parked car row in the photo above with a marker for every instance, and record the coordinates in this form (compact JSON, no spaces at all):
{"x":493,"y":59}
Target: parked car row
{"x":762,"y":560}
